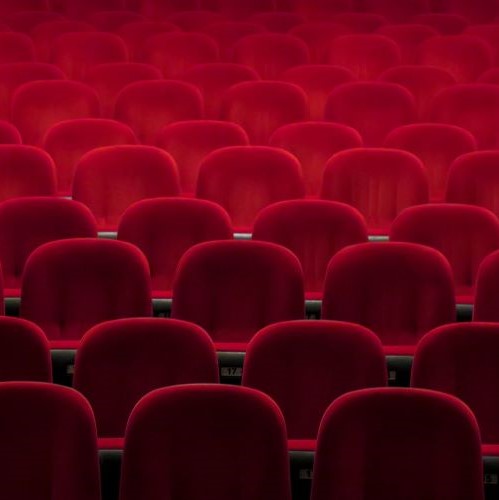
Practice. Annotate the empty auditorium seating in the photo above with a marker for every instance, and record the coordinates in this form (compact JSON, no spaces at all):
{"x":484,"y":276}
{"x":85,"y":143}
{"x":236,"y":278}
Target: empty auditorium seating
{"x":144,"y":354}
{"x":314,"y":230}
{"x":16,"y":47}
{"x":318,"y":81}
{"x":466,"y":57}
{"x":245,"y":179}
{"x":424,"y":83}
{"x":25,"y":21}
{"x":174,"y":53}
{"x":490,"y":76}
{"x":460,"y":359}
{"x":240,"y":9}
{"x":77,"y":53}
{"x":10,"y":6}
{"x":159,"y":8}
{"x":380,"y":183}
{"x":373,"y":108}
{"x":473,"y":180}
{"x":24,"y":351}
{"x":486,"y":290}
{"x":195,"y":20}
{"x":41,"y":423}
{"x":473,"y":107}
{"x":488,"y":33}
{"x":148,"y":106}
{"x":235,"y":288}
{"x":165,"y":228}
{"x":69,"y":140}
{"x":25,"y":171}
{"x":110,"y":179}
{"x":189,"y":142}
{"x":319,"y":9}
{"x":112,"y":20}
{"x":214,"y":79}
{"x":262,"y":107}
{"x":445,"y":23}
{"x":287,"y":360}
{"x":365,"y":55}
{"x":313,"y":143}
{"x":27,"y":223}
{"x":9,"y":134}
{"x":398,"y":290}
{"x":437,"y":146}
{"x":271,"y":53}
{"x":464,"y":234}
{"x":401,"y":435}
{"x":394,"y":10}
{"x":359,"y":22}
{"x":278,"y":22}
{"x":408,"y":37}
{"x":476,"y":11}
{"x":71,"y":285}
{"x":246,"y":452}
{"x":78,"y":9}
{"x":36,"y":106}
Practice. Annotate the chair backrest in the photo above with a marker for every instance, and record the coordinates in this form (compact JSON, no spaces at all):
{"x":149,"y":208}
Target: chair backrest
{"x":487,"y":291}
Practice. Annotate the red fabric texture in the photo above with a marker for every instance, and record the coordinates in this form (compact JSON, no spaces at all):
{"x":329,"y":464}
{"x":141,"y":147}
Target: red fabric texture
{"x":487,"y":289}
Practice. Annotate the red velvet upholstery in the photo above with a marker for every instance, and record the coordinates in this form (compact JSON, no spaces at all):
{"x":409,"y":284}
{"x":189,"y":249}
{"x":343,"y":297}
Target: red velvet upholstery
{"x":26,"y":21}
{"x":318,"y":81}
{"x":444,"y":22}
{"x":165,"y":228}
{"x":108,"y":180}
{"x":423,"y":82}
{"x":405,"y":444}
{"x":398,"y":290}
{"x":408,"y":37}
{"x":319,"y":9}
{"x":488,"y":33}
{"x":25,"y":171}
{"x":465,"y":57}
{"x":464,"y":234}
{"x":49,"y":443}
{"x":437,"y":146}
{"x":69,"y":286}
{"x":13,"y":75}
{"x":139,"y":354}
{"x":214,"y":79}
{"x":195,"y":20}
{"x":148,"y":106}
{"x":373,"y":108}
{"x":237,"y":434}
{"x":27,"y":223}
{"x":262,"y":107}
{"x":314,"y":230}
{"x":239,"y":9}
{"x":305,"y":365}
{"x":25,"y":353}
{"x":474,"y":107}
{"x":174,"y":53}
{"x":270,"y":54}
{"x":474,"y":180}
{"x":380,"y":183}
{"x":476,"y":11}
{"x":10,"y":6}
{"x":394,"y":10}
{"x":189,"y":142}
{"x":37,"y":106}
{"x":235,"y":288}
{"x":461,"y":359}
{"x":487,"y":290}
{"x":278,"y":22}
{"x":112,"y":20}
{"x":158,"y":8}
{"x":360,"y":22}
{"x":245,"y":179}
{"x":490,"y":76}
{"x":69,"y":140}
{"x":110,"y":79}
{"x":9,"y":133}
{"x":16,"y":47}
{"x":365,"y":55}
{"x":313,"y":143}
{"x":79,"y":8}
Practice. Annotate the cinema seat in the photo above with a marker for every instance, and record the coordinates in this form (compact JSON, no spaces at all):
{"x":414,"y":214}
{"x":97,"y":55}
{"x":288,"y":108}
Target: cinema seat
{"x":235,"y":288}
{"x":365,"y":55}
{"x":246,"y":452}
{"x":405,"y":453}
{"x":9,"y":133}
{"x":25,"y":171}
{"x":372,"y":108}
{"x":473,"y":107}
{"x":148,"y":106}
{"x":398,"y":290}
{"x":489,"y":34}
{"x":26,"y":20}
{"x":68,"y":286}
{"x":318,"y":9}
{"x":27,"y":223}
{"x":11,"y":6}
{"x":358,"y":176}
{"x":476,"y":11}
{"x":277,"y":22}
{"x":437,"y":146}
{"x":490,"y":76}
{"x":446,"y":23}
{"x":318,"y":81}
{"x":486,"y":290}
{"x":195,"y":20}
{"x":189,"y":142}
{"x":359,"y":22}
{"x":301,"y":366}
{"x":239,"y":9}
{"x":42,"y":423}
{"x":165,"y":228}
{"x":68,"y":141}
{"x":160,"y":8}
{"x":37,"y":106}
{"x":396,"y":11}
{"x":16,"y":47}
{"x":110,"y":179}
{"x":245,"y":179}
{"x":145,"y":354}
{"x":112,"y":20}
{"x":78,"y":9}
{"x":262,"y":107}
